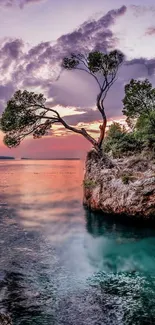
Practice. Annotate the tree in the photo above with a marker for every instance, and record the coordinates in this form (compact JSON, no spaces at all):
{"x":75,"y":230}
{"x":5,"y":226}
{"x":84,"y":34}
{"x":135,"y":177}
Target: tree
{"x":103,"y":68}
{"x":139,"y":99}
{"x":26,"y":112}
{"x":139,"y":108}
{"x":145,"y":130}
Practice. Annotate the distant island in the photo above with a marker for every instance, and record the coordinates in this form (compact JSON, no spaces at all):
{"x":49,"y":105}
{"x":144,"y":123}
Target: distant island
{"x":24,"y":158}
{"x":6,"y":157}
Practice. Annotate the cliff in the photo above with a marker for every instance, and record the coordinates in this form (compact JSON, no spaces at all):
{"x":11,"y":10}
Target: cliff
{"x":127,"y":187}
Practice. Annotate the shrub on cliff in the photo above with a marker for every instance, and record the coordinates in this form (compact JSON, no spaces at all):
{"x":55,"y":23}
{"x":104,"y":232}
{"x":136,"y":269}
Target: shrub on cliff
{"x":145,"y":130}
{"x":119,"y":142}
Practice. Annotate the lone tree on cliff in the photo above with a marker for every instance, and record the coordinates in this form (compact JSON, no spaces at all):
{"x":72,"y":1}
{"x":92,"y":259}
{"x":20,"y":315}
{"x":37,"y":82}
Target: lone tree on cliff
{"x":26,"y":112}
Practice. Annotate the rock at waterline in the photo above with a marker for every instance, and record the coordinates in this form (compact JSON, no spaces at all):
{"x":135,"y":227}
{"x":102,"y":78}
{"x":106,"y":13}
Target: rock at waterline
{"x":5,"y":320}
{"x":127,"y":188}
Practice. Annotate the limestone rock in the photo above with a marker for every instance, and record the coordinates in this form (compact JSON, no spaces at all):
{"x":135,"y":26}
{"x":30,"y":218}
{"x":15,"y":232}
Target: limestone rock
{"x":126,"y":188}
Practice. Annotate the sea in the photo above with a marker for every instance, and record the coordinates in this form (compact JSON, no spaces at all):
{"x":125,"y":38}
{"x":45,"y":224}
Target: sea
{"x":61,"y":264}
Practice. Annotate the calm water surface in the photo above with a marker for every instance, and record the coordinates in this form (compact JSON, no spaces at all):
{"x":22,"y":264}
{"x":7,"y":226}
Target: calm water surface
{"x":61,"y":265}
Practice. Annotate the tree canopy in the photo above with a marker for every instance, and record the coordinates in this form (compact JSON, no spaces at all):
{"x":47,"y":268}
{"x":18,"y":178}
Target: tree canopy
{"x":139,"y":98}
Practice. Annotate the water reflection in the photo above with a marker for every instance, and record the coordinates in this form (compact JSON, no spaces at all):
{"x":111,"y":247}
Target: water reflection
{"x":119,"y":248}
{"x":43,"y":192}
{"x":61,"y":264}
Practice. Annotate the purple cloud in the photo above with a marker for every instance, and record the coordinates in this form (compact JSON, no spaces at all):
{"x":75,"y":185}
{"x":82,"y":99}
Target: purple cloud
{"x":88,"y":36}
{"x":19,"y":3}
{"x":6,"y":91}
{"x":12,"y":49}
{"x":34,"y":70}
{"x":22,"y":3}
{"x":43,"y":61}
{"x":10,"y":52}
{"x":7,"y":3}
{"x":147,"y":64}
{"x":150,"y":31}
{"x":92,"y":34}
{"x":140,"y":10}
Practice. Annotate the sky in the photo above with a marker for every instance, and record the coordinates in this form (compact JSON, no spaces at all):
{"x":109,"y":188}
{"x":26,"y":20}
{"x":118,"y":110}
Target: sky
{"x":34,"y":37}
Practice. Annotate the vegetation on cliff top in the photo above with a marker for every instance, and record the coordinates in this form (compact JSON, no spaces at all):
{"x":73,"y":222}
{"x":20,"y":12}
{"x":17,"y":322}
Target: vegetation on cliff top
{"x":139,"y":109}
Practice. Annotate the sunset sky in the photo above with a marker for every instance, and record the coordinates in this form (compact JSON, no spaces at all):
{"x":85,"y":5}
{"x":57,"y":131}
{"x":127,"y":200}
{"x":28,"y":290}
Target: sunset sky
{"x":34,"y":37}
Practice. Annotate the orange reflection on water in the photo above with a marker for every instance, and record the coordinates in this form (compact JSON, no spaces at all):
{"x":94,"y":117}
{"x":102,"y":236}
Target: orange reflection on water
{"x":40,"y":192}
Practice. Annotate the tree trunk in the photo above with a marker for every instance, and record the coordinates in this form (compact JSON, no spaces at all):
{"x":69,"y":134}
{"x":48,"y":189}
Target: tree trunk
{"x":102,"y":132}
{"x":96,"y":144}
{"x":102,"y":127}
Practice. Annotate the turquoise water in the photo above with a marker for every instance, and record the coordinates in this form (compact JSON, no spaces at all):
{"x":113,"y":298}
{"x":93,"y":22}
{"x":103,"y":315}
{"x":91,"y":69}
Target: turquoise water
{"x":61,"y":264}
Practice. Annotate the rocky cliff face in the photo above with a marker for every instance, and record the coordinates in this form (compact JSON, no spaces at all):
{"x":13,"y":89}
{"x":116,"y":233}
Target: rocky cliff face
{"x":127,"y":188}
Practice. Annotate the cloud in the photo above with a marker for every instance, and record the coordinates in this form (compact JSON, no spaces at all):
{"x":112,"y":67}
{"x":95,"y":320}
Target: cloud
{"x":140,"y":10}
{"x":35,"y":69}
{"x":12,"y":49}
{"x":92,"y":34}
{"x":19,"y":3}
{"x":40,"y":65}
{"x":6,"y":91}
{"x":150,"y":31}
{"x":143,"y":63}
{"x":7,"y":3}
{"x":87,"y":117}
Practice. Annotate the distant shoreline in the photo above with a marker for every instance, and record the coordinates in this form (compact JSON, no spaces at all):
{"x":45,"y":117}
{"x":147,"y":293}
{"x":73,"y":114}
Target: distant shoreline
{"x":50,"y":159}
{"x":18,"y":159}
{"x":6,"y":158}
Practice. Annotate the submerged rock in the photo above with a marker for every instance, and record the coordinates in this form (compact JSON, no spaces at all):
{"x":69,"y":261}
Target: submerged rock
{"x":125,"y":188}
{"x":5,"y":320}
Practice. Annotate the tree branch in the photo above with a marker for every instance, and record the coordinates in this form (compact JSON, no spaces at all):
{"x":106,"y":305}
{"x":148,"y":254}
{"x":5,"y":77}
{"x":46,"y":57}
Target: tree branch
{"x":81,"y":131}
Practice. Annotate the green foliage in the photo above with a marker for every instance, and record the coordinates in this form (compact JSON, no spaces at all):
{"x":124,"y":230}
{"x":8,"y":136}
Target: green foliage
{"x":145,"y":129}
{"x":120,"y":142}
{"x":22,"y":116}
{"x":125,"y":179}
{"x":89,"y":183}
{"x":95,"y":62}
{"x":139,"y":98}
{"x":115,"y":130}
{"x":70,"y":63}
{"x":104,"y":63}
{"x":139,"y":107}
